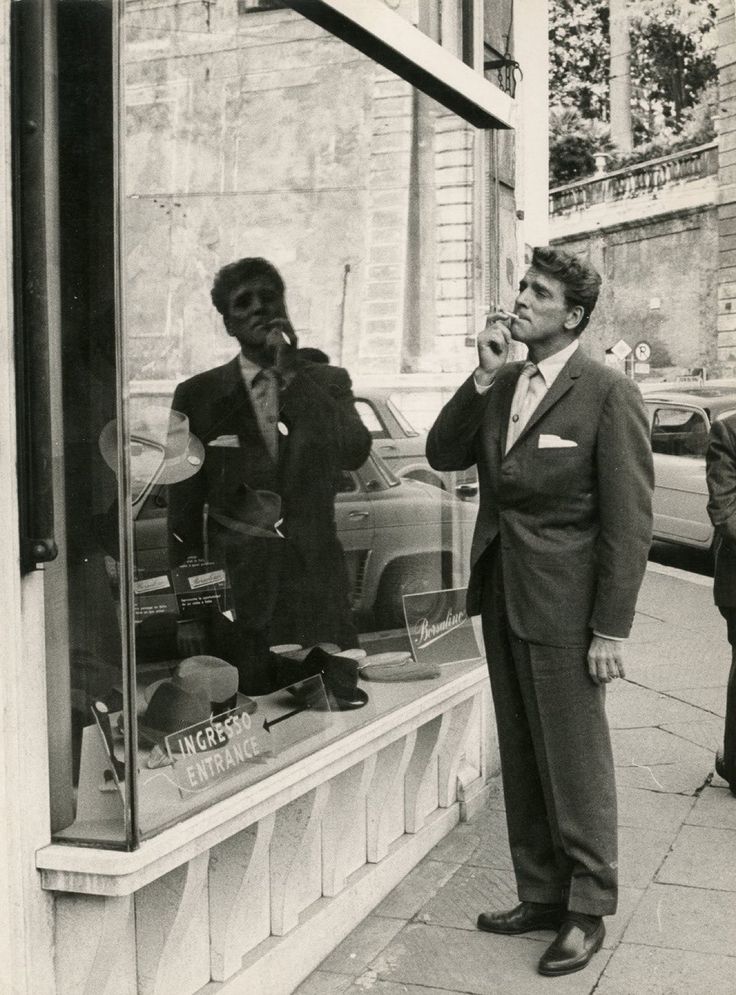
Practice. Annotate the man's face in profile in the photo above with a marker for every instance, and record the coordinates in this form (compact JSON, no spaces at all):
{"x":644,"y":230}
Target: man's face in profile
{"x":252,"y":305}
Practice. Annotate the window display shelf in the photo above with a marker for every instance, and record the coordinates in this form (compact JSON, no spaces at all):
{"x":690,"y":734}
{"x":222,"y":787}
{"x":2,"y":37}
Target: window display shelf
{"x":399,"y":709}
{"x":280,"y":872}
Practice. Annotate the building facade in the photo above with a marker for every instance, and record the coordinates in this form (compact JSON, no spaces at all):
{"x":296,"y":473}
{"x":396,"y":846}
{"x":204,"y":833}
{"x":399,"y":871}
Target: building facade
{"x":389,"y":158}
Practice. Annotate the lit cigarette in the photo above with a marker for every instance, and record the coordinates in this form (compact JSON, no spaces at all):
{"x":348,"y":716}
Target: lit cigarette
{"x":506,"y":314}
{"x":286,"y":338}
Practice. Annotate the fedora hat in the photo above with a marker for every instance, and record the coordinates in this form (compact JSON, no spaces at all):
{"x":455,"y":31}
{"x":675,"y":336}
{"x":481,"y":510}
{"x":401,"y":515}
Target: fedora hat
{"x":216,"y":678}
{"x":251,"y":512}
{"x":161,"y":447}
{"x":172,"y":709}
{"x":201,"y":686}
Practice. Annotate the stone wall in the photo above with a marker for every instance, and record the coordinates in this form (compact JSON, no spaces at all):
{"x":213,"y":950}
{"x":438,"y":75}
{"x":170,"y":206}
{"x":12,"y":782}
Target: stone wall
{"x":659,"y":286}
{"x":727,"y":186}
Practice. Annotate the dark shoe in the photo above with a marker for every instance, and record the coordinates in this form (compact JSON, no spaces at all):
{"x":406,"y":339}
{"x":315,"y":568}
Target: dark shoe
{"x":572,"y":949}
{"x":722,"y":772}
{"x":526,"y":917}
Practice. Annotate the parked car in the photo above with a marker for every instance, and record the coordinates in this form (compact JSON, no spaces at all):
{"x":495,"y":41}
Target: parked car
{"x":400,"y":536}
{"x":399,"y":418}
{"x":680,"y":420}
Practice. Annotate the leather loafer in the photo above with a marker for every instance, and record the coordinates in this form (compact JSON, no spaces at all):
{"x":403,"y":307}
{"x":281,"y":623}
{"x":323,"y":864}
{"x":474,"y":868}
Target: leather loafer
{"x":527,"y":916}
{"x":572,"y":949}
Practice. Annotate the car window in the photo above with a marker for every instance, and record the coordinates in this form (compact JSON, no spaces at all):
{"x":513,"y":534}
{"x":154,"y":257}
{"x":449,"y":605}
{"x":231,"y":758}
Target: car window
{"x":417,"y":410}
{"x":346,"y":483}
{"x":371,"y":419}
{"x":679,"y":431}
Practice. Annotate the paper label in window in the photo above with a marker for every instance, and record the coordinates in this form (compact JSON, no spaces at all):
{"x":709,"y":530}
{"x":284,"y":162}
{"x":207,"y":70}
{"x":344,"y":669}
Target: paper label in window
{"x":150,"y":584}
{"x":207,"y":580}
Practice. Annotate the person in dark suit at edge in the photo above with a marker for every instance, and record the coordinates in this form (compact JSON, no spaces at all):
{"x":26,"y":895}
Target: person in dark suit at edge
{"x":564,"y":523}
{"x":278,"y":430}
{"x":720,"y":461}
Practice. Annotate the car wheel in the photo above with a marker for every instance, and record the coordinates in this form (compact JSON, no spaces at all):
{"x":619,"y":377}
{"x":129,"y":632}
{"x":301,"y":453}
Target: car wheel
{"x":416,"y":575}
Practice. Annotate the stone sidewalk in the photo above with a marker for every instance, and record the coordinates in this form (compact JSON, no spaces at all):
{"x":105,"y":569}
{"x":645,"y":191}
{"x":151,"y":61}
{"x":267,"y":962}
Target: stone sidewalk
{"x":675,"y":932}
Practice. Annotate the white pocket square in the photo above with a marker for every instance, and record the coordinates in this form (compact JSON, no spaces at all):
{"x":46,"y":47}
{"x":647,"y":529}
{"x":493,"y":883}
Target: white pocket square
{"x":227,"y":441}
{"x":555,"y":442}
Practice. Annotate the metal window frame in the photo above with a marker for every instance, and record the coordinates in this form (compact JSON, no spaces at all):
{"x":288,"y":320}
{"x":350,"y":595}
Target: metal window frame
{"x":389,"y":39}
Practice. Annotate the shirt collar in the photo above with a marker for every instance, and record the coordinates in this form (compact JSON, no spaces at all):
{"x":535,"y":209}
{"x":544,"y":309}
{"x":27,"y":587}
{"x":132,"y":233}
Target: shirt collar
{"x":551,"y":367}
{"x":248,"y":370}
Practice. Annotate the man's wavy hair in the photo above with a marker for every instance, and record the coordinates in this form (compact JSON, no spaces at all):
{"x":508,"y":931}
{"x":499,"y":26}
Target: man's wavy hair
{"x":582,"y":282}
{"x":227,"y":278}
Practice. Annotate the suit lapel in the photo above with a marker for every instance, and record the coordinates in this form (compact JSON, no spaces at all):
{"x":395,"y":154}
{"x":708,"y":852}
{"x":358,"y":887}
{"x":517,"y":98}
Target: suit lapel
{"x":234,"y":410}
{"x":564,"y":382}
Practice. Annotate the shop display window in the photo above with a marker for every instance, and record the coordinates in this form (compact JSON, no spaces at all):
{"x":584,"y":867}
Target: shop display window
{"x":241,"y":546}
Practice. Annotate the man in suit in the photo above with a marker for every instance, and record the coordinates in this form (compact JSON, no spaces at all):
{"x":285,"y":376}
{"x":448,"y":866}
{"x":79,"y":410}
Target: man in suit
{"x":559,"y":552}
{"x":720,"y":461}
{"x":277,"y":431}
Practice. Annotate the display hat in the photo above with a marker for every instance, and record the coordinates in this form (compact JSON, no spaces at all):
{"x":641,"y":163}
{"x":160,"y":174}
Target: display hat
{"x":251,"y":512}
{"x":340,"y":676}
{"x":160,"y":444}
{"x":216,"y":678}
{"x":172,"y":709}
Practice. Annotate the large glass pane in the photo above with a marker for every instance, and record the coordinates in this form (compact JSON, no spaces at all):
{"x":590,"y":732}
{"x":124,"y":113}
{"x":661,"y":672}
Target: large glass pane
{"x":299,"y":298}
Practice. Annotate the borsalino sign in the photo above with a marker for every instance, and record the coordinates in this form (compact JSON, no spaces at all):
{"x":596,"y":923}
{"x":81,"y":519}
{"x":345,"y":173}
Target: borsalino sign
{"x":439,"y":627}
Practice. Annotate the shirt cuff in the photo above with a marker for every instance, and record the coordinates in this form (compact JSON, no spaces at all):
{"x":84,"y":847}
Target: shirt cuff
{"x":614,"y":639}
{"x":482,"y":388}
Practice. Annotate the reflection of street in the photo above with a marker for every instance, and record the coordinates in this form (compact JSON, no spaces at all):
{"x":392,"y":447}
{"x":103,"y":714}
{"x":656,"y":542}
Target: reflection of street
{"x":697,"y":561}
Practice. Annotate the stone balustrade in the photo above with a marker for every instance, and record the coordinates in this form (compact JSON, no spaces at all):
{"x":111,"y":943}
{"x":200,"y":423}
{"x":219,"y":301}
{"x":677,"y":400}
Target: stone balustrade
{"x":640,"y":179}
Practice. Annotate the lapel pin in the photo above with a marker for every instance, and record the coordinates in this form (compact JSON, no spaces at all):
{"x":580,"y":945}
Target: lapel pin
{"x":283,"y":429}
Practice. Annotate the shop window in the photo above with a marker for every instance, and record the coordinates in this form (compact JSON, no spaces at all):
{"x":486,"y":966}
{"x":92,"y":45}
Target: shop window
{"x":236,"y":544}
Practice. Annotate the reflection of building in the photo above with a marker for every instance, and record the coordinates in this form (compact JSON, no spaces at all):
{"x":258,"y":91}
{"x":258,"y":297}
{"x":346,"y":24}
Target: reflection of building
{"x":393,"y":214}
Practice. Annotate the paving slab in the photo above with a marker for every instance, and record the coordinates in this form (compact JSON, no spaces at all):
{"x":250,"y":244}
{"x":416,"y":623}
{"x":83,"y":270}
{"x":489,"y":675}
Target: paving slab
{"x":323,"y":983}
{"x":362,"y":946}
{"x":683,"y":600}
{"x":630,"y":706}
{"x":476,"y":963}
{"x":369,"y":983}
{"x":658,"y":760}
{"x":680,"y":918}
{"x":681,"y":661}
{"x":469,"y":892}
{"x":710,"y":699}
{"x":655,"y":810}
{"x":493,"y":847}
{"x":716,"y":807}
{"x":702,"y":857}
{"x":416,"y":889}
{"x":641,"y":854}
{"x":706,"y":732}
{"x":634,"y":970}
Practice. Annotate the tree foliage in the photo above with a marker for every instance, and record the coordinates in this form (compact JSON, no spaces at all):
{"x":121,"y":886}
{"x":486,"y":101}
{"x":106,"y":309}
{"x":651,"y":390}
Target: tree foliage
{"x":673,"y":71}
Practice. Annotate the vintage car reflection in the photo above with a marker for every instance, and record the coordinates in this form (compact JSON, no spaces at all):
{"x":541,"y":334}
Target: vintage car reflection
{"x":680,"y":420}
{"x":400,"y":536}
{"x":399,"y":418}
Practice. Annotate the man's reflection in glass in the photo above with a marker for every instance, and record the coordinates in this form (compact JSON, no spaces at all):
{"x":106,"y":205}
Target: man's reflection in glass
{"x":277,"y":430}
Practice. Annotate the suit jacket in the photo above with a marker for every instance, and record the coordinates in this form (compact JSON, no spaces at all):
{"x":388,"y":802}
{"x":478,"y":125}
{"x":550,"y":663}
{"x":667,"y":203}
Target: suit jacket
{"x":325,"y":436}
{"x":574,"y":523}
{"x":720,"y":461}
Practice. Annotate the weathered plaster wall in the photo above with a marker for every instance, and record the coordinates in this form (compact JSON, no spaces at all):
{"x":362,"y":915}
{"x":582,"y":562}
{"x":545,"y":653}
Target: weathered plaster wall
{"x":260,"y":134}
{"x":659,"y":285}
